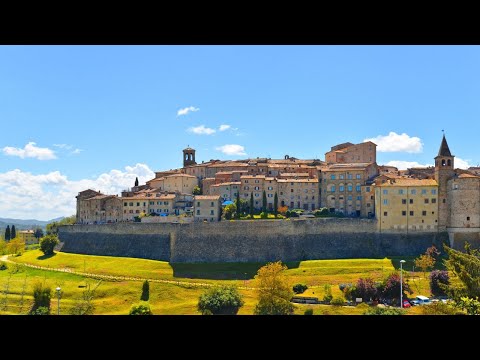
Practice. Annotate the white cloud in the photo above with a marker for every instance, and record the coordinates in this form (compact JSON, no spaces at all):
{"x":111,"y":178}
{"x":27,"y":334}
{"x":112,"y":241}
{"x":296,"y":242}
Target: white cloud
{"x":232,"y":149}
{"x":224,"y":127}
{"x":187,"y":110}
{"x":201,"y":130}
{"x":30,"y":151}
{"x":76,"y":151}
{"x":47,"y":196}
{"x":394,"y":142}
{"x":63,"y":146}
{"x":461,"y":164}
{"x":404,"y":165}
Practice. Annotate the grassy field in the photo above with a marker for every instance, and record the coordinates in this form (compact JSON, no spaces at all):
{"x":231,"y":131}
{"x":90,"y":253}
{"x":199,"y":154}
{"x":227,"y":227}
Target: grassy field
{"x":116,"y":297}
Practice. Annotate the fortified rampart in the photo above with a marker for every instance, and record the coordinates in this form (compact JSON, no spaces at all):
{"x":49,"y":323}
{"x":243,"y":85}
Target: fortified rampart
{"x":247,"y":241}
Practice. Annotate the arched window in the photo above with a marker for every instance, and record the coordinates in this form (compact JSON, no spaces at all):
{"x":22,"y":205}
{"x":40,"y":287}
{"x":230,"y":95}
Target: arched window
{"x":449,"y":162}
{"x":443,"y":162}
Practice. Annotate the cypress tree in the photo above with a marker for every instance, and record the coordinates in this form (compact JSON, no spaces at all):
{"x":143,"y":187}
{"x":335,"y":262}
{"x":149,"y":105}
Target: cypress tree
{"x":275,"y":205}
{"x":251,"y":205}
{"x":7,"y":233}
{"x":14,"y":233}
{"x":264,"y":201}
{"x":237,"y":204}
{"x":136,"y":181}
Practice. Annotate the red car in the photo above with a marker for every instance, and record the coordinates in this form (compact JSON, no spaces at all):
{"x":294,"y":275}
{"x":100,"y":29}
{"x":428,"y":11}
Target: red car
{"x":406,"y":304}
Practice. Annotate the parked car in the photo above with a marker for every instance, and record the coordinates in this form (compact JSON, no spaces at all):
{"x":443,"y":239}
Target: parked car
{"x":414,"y":302}
{"x":423,"y":300}
{"x":406,"y":304}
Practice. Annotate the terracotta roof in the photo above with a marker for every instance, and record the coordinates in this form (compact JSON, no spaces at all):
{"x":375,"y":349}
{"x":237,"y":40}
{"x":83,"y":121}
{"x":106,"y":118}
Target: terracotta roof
{"x":99,"y":197}
{"x":409,"y":182}
{"x":182,"y":175}
{"x":298,"y":180}
{"x":294,"y":175}
{"x":224,"y":173}
{"x":252,"y":176}
{"x":346,"y":166}
{"x":467,"y":176}
{"x":227,"y":183}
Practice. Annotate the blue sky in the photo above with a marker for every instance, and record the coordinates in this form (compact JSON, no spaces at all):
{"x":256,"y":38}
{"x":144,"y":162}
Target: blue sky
{"x":74,"y":117}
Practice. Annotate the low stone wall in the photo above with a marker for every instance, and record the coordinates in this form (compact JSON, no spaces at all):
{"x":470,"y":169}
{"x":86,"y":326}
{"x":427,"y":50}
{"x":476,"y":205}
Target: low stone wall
{"x":246,"y":241}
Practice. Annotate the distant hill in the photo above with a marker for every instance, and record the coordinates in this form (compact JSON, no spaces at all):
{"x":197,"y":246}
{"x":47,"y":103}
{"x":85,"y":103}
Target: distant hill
{"x":21,"y":224}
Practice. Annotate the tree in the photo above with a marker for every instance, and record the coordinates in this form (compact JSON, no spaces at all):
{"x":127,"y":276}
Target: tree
{"x":7,"y":233}
{"x":465,"y":266}
{"x":237,"y":205}
{"x":41,"y":296}
{"x":299,"y":288}
{"x":391,"y":287}
{"x":141,"y":308}
{"x":48,"y":243}
{"x":472,"y":306}
{"x":52,"y":228}
{"x":438,"y":308}
{"x":275,"y":205}
{"x":251,"y":205}
{"x":220,"y":300}
{"x":145,"y":291}
{"x":14,"y":233}
{"x":439,"y":282}
{"x":16,"y":246}
{"x":229,"y":211}
{"x":327,"y":293}
{"x":136,"y":181}
{"x":283,"y":210}
{"x":273,"y":290}
{"x":3,"y":246}
{"x":38,"y":233}
{"x":197,"y":190}
{"x":365,"y":289}
{"x":424,"y":262}
{"x":264,"y":201}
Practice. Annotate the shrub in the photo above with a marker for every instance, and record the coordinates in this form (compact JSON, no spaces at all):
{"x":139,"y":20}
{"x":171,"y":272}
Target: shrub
{"x":438,"y":308}
{"x":299,"y":288}
{"x":42,"y":310}
{"x":439,"y":280}
{"x":41,"y":297}
{"x":145,"y":291}
{"x":338,"y":301}
{"x":365,"y":289}
{"x":391,"y":287}
{"x":264,"y":215}
{"x":384,"y":311}
{"x":48,"y":243}
{"x":363,"y":306}
{"x":321,"y":212}
{"x":287,"y":213}
{"x":3,"y":265}
{"x":327,"y":297}
{"x":308,"y":312}
{"x":142,"y":308}
{"x":220,"y":300}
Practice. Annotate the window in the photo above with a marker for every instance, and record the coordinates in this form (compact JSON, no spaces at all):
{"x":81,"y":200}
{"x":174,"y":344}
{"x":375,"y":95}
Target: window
{"x":270,"y":195}
{"x":332,"y":189}
{"x":256,"y":181}
{"x":385,"y":202}
{"x":350,"y":187}
{"x":413,"y":192}
{"x":291,"y":190}
{"x":426,"y":201}
{"x":359,"y":198}
{"x":385,"y":213}
{"x":404,"y":201}
{"x":332,"y":177}
{"x":138,"y":204}
{"x":212,"y":212}
{"x":131,"y":204}
{"x":124,"y":204}
{"x":411,"y":201}
{"x":152,"y":203}
{"x":281,"y":192}
{"x":359,"y":176}
{"x":434,"y":201}
{"x":341,"y":188}
{"x":367,"y":189}
{"x":349,"y":197}
{"x":411,"y":213}
{"x":257,"y":195}
{"x":424,"y":213}
{"x":165,"y":203}
{"x":385,"y":192}
{"x":246,"y":181}
{"x":198,"y":212}
{"x":349,"y":176}
{"x":400,"y":191}
{"x":198,"y":203}
{"x":245,"y":188}
{"x":270,"y":188}
{"x":434,"y":191}
{"x":404,"y":213}
{"x":357,"y":188}
{"x":468,"y":218}
{"x":257,"y":188}
{"x":424,"y":191}
{"x":443,"y":201}
{"x":212,"y":204}
{"x":144,"y":204}
{"x":137,"y":211}
{"x":368,"y":204}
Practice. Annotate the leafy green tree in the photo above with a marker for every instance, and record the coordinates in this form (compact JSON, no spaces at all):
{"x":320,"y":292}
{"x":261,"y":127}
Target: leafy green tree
{"x":299,"y":288}
{"x":275,"y":205}
{"x":52,"y":228}
{"x":3,"y":246}
{"x":48,"y":243}
{"x":136,"y":181}
{"x":251,"y":205}
{"x":237,"y":205}
{"x":327,"y":290}
{"x":273,"y":290}
{"x":425,"y":262}
{"x":142,"y":308}
{"x":439,"y":282}
{"x":7,"y":233}
{"x":145,"y":291}
{"x":38,"y":233}
{"x":197,"y":190}
{"x":41,"y":296}
{"x":16,"y":246}
{"x":465,"y":266}
{"x":14,"y":233}
{"x":264,"y":201}
{"x":220,"y":300}
{"x":472,"y":306}
{"x":229,"y":211}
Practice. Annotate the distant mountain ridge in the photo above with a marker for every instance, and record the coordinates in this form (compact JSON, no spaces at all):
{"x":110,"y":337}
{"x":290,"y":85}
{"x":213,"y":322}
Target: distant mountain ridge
{"x":26,"y":224}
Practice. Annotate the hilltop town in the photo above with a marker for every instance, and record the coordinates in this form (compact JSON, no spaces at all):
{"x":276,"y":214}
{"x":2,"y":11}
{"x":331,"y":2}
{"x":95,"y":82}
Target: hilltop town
{"x":348,"y":182}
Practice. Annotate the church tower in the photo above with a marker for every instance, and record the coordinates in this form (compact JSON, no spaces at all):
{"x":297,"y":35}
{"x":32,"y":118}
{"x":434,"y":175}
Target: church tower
{"x":444,"y":170}
{"x":188,"y":156}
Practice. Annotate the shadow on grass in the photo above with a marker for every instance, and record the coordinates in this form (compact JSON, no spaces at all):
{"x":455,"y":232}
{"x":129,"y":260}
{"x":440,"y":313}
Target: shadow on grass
{"x":45,"y":257}
{"x":409,"y":264}
{"x":221,"y":271}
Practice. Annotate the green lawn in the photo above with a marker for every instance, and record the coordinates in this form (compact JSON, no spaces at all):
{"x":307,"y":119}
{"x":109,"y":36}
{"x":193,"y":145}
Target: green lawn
{"x":116,"y":297}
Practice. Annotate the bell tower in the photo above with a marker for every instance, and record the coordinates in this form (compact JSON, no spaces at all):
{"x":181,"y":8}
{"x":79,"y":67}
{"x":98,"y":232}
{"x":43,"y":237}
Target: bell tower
{"x":444,"y":170}
{"x":188,"y":156}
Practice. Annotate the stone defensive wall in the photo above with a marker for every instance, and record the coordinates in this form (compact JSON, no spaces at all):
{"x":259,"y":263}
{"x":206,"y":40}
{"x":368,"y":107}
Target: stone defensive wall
{"x":247,"y":240}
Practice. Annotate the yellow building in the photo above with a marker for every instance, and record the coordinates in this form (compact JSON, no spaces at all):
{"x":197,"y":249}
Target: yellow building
{"x":207,"y":207}
{"x":182,"y":183}
{"x":407,"y":204}
{"x":299,"y":193}
{"x":227,"y":190}
{"x":27,"y":236}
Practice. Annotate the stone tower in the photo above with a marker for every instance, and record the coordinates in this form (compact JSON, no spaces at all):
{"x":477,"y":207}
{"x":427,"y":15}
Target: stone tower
{"x":444,"y":170}
{"x":188,"y":156}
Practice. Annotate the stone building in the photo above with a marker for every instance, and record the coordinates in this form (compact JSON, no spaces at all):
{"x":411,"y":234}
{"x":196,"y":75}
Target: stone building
{"x":207,"y":207}
{"x":352,"y":153}
{"x":99,"y":209}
